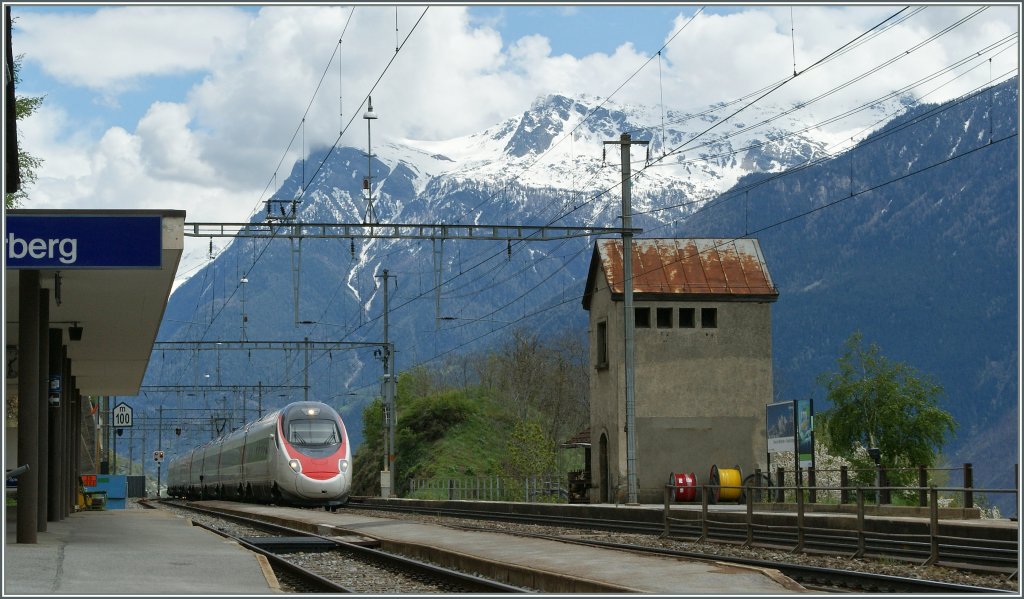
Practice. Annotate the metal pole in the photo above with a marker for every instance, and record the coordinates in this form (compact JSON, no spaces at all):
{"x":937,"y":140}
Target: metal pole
{"x":933,"y":526}
{"x":627,"y":285}
{"x":159,"y":445}
{"x":860,"y":523}
{"x":305,"y":375}
{"x":45,"y":442}
{"x":389,"y":392}
{"x":625,"y":142}
{"x":113,"y":443}
{"x":28,"y":404}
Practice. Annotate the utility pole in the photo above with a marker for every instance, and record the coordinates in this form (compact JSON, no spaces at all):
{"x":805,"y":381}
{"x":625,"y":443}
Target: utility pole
{"x":627,"y":286}
{"x":305,"y":374}
{"x":390,"y":416}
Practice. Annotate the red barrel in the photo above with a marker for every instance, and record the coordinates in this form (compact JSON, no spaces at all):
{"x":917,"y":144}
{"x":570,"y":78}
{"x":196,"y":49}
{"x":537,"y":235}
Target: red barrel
{"x":685,"y":486}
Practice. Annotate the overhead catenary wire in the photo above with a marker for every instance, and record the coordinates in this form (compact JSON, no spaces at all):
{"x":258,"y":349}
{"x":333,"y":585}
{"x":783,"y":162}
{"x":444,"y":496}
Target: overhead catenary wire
{"x":322,"y":164}
{"x":836,"y":202}
{"x":826,"y":157}
{"x":683,"y":146}
{"x":835,"y":53}
{"x":865,"y":106}
{"x":874,"y":187}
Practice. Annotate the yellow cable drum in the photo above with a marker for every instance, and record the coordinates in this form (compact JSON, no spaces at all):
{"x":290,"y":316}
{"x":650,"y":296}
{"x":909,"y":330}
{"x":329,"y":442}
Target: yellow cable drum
{"x":726,"y":484}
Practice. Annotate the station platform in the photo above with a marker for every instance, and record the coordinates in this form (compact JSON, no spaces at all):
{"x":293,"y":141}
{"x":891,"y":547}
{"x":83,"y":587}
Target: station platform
{"x":553,"y":566}
{"x":130,"y":552}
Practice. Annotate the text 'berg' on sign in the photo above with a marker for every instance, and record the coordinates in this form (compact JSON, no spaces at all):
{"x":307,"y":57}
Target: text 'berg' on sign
{"x":33,"y":241}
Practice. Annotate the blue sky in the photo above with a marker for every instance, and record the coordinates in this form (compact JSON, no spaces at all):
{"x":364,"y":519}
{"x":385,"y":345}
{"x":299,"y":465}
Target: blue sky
{"x":196,"y":104}
{"x":583,"y":30}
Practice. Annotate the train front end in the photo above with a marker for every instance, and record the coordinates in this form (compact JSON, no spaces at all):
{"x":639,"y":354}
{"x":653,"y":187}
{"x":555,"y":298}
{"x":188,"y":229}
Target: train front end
{"x":316,"y":464}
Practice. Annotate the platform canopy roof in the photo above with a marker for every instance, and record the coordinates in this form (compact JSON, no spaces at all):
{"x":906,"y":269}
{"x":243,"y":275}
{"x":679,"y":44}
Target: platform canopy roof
{"x":119,"y":308}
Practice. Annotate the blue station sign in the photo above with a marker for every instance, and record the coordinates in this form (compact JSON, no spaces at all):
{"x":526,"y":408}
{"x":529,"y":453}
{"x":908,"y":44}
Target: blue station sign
{"x":81,"y":241}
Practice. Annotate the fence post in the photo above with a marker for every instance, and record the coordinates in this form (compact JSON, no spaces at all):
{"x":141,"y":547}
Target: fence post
{"x":922,"y":484}
{"x":933,"y":516}
{"x":968,"y":485}
{"x":844,"y":482}
{"x":812,"y":481}
{"x":860,"y":523}
{"x":668,"y":491}
{"x":883,"y":483}
{"x":780,"y":481}
{"x":451,"y":489}
{"x":799,"y":521}
{"x":703,"y":513}
{"x":750,"y":516}
{"x":757,"y":477}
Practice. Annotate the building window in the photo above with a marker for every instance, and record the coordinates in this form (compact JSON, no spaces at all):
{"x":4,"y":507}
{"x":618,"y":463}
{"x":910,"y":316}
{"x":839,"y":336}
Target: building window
{"x":602,"y":344}
{"x":687,"y":318}
{"x":709,"y":318}
{"x":664,"y":316}
{"x":642,"y":318}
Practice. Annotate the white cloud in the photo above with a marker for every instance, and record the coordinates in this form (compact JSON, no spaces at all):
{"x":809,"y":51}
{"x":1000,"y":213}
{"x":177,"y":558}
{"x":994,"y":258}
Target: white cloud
{"x":171,"y":150}
{"x":214,"y":152}
{"x":111,"y":48}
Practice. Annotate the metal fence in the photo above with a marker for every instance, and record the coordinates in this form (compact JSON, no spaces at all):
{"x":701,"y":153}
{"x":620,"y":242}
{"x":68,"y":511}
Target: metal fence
{"x":858,"y":536}
{"x":548,"y":488}
{"x":836,"y":483}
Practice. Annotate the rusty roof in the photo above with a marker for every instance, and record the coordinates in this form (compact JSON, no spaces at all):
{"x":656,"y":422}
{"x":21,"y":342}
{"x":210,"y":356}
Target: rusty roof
{"x":697,"y":268}
{"x":580,"y":439}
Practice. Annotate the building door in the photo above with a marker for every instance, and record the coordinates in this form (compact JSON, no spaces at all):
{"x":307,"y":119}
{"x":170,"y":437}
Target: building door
{"x":604,"y":472}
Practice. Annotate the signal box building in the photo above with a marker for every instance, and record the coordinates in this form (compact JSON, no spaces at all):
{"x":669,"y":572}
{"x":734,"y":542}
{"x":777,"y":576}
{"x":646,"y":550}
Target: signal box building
{"x":702,"y":361}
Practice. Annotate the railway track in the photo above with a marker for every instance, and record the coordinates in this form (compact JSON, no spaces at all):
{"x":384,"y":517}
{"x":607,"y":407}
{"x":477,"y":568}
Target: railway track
{"x":818,"y":578}
{"x":982,"y":555}
{"x":307,"y":562}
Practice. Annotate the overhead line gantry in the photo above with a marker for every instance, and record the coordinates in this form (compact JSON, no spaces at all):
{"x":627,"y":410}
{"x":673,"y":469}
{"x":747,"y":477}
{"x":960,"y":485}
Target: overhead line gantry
{"x":398,"y":231}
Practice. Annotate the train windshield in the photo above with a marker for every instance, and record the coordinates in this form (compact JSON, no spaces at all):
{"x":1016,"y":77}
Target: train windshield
{"x":313,"y":432}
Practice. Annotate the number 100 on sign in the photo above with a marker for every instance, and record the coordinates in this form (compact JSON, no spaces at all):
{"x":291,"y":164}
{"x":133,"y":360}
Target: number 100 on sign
{"x":122,"y":416}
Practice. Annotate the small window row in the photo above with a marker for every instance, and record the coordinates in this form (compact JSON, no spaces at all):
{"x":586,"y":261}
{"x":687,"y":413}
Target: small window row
{"x":687,"y":318}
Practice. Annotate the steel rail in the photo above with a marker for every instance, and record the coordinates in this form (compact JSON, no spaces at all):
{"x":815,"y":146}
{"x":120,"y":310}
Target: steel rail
{"x":469,"y":582}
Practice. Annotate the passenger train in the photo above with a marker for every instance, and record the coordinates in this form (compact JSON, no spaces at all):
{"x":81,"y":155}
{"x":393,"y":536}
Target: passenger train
{"x":298,"y":455}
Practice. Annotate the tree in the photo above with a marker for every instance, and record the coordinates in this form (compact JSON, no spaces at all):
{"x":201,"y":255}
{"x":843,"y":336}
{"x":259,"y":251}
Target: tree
{"x":27,"y":163}
{"x":880,"y":404}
